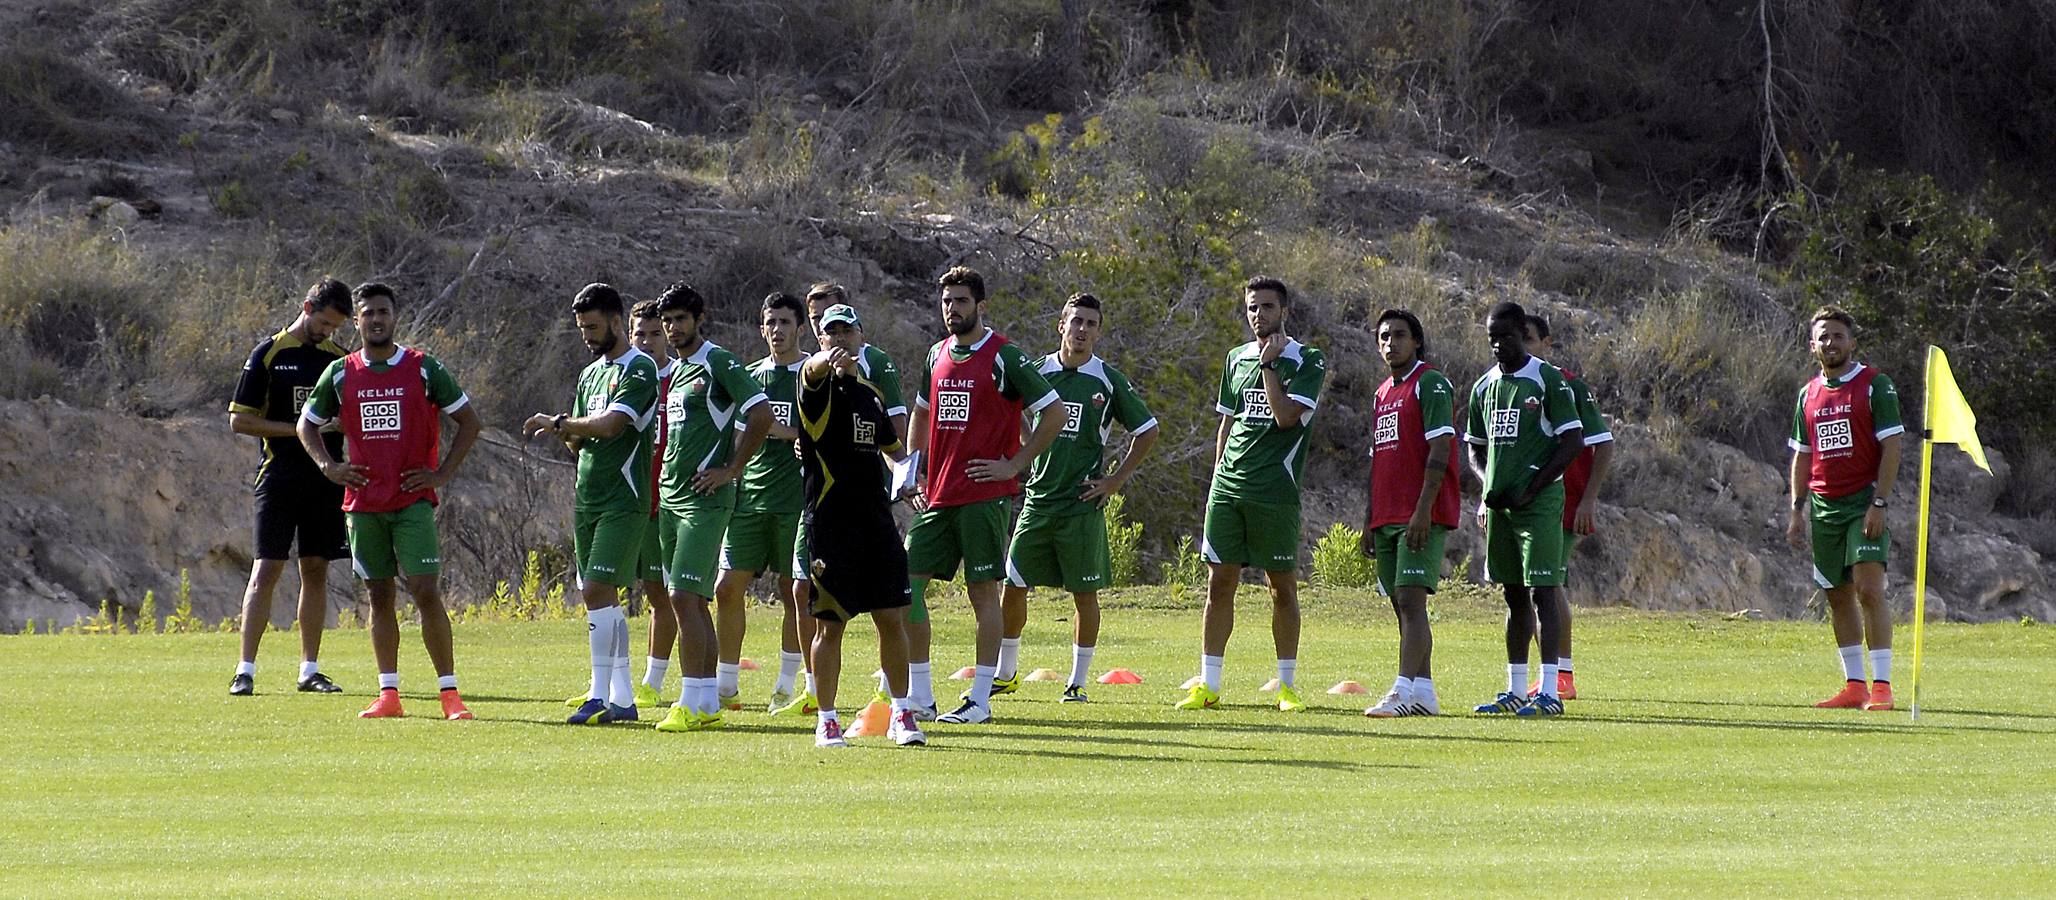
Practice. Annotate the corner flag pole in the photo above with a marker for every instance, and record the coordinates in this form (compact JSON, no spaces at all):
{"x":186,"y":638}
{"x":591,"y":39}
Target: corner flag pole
{"x":1927,"y":462}
{"x":1946,"y":418}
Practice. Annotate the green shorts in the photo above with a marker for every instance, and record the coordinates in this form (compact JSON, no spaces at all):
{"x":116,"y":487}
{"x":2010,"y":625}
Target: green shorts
{"x":761,"y":542}
{"x":691,"y":542}
{"x":1248,"y":533}
{"x":1525,"y":546}
{"x":608,"y":544}
{"x":1570,"y":542}
{"x":974,"y":534}
{"x":802,"y":561}
{"x":649,"y":561}
{"x":1067,"y":551}
{"x":1838,"y":541}
{"x":387,"y":544}
{"x":1400,"y":567}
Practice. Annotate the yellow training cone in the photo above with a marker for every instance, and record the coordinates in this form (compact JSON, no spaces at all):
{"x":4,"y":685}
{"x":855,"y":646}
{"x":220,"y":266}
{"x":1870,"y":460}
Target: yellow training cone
{"x":1043,"y":675}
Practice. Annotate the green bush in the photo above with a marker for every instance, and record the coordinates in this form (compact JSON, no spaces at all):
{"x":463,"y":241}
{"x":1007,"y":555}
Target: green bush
{"x":1338,"y":561}
{"x":57,"y":103}
{"x":1124,"y":543}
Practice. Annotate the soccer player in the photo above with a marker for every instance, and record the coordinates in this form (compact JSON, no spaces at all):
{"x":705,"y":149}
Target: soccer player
{"x":1414,"y":502}
{"x":388,"y":400}
{"x":608,"y":427}
{"x":876,"y":367}
{"x":649,"y":338}
{"x":702,"y":460}
{"x":966,"y":433}
{"x":1061,"y":538}
{"x":1523,"y":431}
{"x":858,"y":565}
{"x":293,"y":500}
{"x":1269,"y":387}
{"x":1581,"y":481}
{"x":1845,"y":460}
{"x":767,"y":506}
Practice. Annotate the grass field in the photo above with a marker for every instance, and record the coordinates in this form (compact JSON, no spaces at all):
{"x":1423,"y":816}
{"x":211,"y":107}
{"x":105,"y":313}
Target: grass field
{"x":1693,"y":762}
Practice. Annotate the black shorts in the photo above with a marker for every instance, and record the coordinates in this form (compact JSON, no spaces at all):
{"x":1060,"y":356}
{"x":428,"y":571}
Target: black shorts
{"x":312,"y":515}
{"x":857,"y":567}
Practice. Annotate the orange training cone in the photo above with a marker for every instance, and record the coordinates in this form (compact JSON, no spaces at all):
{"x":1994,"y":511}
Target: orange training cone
{"x":1347,"y":687}
{"x":966,"y":673}
{"x":1270,"y":687}
{"x":872,"y":722}
{"x":1043,"y":675}
{"x":747,"y":664}
{"x":1120,"y":676}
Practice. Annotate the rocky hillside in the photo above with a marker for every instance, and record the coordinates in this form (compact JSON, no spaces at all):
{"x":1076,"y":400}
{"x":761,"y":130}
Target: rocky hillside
{"x":171,"y":179}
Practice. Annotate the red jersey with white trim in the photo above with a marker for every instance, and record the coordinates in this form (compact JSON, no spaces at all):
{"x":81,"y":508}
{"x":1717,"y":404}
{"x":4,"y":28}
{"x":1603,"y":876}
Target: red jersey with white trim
{"x":1842,"y":423}
{"x":1410,"y":412}
{"x":389,"y":426}
{"x":969,"y":418}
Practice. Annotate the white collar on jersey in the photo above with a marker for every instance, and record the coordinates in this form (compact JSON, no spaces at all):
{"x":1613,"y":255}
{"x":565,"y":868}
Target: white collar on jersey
{"x":400,"y":352}
{"x":1854,"y":367}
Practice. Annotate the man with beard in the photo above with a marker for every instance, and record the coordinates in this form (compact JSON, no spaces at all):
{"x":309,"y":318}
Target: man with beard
{"x":1845,"y":459}
{"x":388,"y":401}
{"x":1268,"y":390}
{"x":293,"y":500}
{"x":1413,"y":502}
{"x":608,"y":427}
{"x":1523,"y":431}
{"x":966,"y":434}
{"x":767,"y":503}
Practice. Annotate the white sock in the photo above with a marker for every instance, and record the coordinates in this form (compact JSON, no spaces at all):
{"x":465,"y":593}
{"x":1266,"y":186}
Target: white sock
{"x":388,"y":681}
{"x":246,"y":668}
{"x":1563,"y":664}
{"x":653,"y":672}
{"x":599,"y":634}
{"x":308,"y":669}
{"x":1081,"y":665}
{"x":899,"y":705}
{"x":810,"y":684}
{"x":1517,"y":679}
{"x":1423,"y":689}
{"x":727,"y":678}
{"x":1852,"y":662}
{"x":1403,"y":687}
{"x":1285,"y":669}
{"x":825,"y":716}
{"x":1881,"y":665}
{"x":920,"y":684}
{"x":880,"y":675}
{"x":705,"y":698}
{"x":1548,"y":686}
{"x":446,"y":682}
{"x":621,"y":688}
{"x":1210,"y":672}
{"x":789,"y":664}
{"x":981,"y":685}
{"x":1009,"y":657}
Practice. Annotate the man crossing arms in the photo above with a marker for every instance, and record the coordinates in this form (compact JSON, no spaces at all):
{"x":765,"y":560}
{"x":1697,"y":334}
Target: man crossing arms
{"x":1845,"y":460}
{"x":293,"y":500}
{"x":1269,"y":387}
{"x":1061,"y":539}
{"x":608,"y":427}
{"x":389,"y":401}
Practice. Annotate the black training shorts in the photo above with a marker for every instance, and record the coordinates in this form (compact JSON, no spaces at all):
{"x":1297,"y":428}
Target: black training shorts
{"x":312,"y":515}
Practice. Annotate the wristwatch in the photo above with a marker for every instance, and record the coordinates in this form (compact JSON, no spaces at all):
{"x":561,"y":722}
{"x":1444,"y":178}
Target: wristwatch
{"x":1878,"y":502}
{"x":1270,"y":366}
{"x":557,"y":421}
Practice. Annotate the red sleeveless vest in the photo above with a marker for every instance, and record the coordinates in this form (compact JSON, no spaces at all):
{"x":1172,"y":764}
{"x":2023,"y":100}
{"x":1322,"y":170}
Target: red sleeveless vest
{"x":1577,"y":476}
{"x":1400,"y":454}
{"x":389,"y":425}
{"x":968,"y":418}
{"x":1841,"y":435}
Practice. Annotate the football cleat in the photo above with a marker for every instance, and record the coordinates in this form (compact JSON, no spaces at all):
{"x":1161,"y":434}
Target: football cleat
{"x":1880,"y":696}
{"x":647,"y":696}
{"x":316,"y":683}
{"x":591,"y":712}
{"x":1506,"y":703}
{"x":828,"y":733}
{"x":1392,"y":706}
{"x":904,"y":731}
{"x":1542,"y":705}
{"x":387,"y":706}
{"x":1288,"y":699}
{"x":1073,"y":694}
{"x":453,"y":706}
{"x":968,"y":714}
{"x":802,"y":705}
{"x":1199,"y":698}
{"x":242,"y":685}
{"x":1851,"y":696}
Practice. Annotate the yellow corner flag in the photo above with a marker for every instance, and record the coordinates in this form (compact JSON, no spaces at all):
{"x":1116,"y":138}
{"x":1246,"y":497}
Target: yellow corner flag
{"x":1948,"y":420}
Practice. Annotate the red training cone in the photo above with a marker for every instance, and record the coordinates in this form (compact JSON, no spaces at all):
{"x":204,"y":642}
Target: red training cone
{"x":747,"y":664}
{"x":1347,"y":687}
{"x":1120,"y":676}
{"x":966,"y":673}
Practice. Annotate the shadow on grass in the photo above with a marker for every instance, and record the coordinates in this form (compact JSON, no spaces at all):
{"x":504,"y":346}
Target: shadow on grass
{"x":1830,"y":727}
{"x":1251,"y":728}
{"x":1329,"y":764}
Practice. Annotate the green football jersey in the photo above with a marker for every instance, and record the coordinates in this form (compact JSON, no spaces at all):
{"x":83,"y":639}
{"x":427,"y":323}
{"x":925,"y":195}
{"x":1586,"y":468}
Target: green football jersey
{"x":1091,"y":398}
{"x":612,"y":472}
{"x":771,"y":482}
{"x":710,"y":392}
{"x":880,"y":371}
{"x":1263,"y":462}
{"x":1517,"y":418}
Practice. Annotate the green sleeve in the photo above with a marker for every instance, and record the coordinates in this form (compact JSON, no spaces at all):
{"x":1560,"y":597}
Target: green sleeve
{"x":1438,"y":404}
{"x":927,"y":375}
{"x":1596,"y":430}
{"x":1559,"y":402}
{"x":886,"y":376}
{"x":1474,"y":419}
{"x":734,"y":380}
{"x":1021,"y":380}
{"x":442,"y":388}
{"x":1884,"y":408}
{"x":1229,"y":403}
{"x":324,"y":402}
{"x":1129,"y":409}
{"x":636,"y":390}
{"x":1800,"y":443}
{"x":1308,"y":377}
